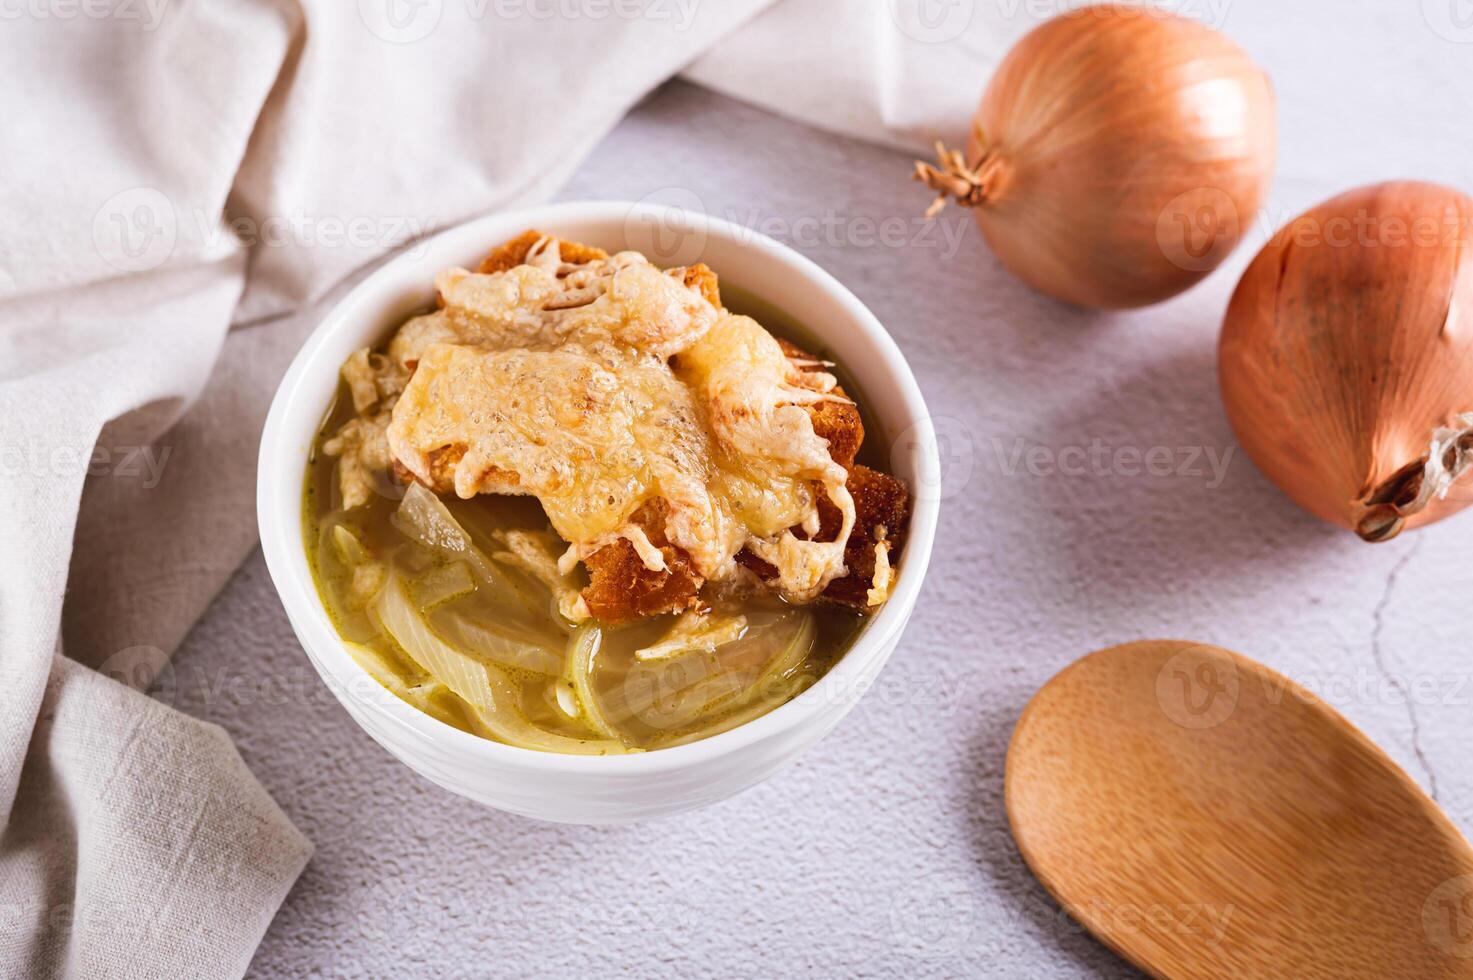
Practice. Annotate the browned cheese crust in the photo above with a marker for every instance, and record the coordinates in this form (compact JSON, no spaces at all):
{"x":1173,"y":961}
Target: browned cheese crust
{"x":622,"y":589}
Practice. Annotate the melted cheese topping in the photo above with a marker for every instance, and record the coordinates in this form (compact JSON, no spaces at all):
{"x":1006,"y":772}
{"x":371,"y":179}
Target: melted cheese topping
{"x":884,"y":575}
{"x":598,"y":388}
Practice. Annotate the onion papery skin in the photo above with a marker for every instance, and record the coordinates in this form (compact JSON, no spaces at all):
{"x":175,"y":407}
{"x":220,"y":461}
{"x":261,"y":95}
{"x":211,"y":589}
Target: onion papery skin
{"x":1349,"y":341}
{"x":1129,"y":149}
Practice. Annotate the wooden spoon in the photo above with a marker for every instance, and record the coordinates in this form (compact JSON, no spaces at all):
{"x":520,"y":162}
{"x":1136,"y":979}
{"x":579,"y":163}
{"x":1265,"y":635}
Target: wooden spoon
{"x":1207,"y":817}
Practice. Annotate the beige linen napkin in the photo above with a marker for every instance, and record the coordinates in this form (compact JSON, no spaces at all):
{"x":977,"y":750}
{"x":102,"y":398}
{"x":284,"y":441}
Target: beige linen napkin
{"x":185,"y":186}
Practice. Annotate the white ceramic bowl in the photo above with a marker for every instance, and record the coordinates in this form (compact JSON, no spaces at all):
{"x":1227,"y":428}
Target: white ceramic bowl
{"x":613,"y":789}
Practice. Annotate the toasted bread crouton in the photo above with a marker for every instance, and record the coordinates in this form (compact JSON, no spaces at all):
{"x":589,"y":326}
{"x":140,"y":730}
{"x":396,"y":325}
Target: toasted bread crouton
{"x":621,"y":589}
{"x":880,"y":501}
{"x":514,"y":253}
{"x":837,"y":422}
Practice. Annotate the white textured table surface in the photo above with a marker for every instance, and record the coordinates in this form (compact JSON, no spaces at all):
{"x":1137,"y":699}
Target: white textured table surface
{"x":885,"y":850}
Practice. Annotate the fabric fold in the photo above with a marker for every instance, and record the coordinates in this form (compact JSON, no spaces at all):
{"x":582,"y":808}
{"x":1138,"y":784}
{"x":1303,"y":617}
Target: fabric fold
{"x":176,"y":169}
{"x":145,"y":848}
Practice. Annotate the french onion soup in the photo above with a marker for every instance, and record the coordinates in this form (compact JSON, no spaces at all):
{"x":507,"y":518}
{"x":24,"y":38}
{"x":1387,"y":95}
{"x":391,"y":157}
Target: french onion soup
{"x":582,"y":507}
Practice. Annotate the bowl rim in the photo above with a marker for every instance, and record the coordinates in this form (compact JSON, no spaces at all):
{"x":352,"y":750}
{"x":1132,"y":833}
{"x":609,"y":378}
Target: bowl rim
{"x":284,"y":548}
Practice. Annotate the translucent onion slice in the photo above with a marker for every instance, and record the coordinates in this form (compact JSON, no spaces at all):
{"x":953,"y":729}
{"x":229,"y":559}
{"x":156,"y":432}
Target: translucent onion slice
{"x":508,"y":647}
{"x":350,"y":549}
{"x":646,"y":684}
{"x":378,"y":666}
{"x":345,"y":582}
{"x":424,"y":517}
{"x":444,"y":584}
{"x":780,"y":681}
{"x":690,"y":703}
{"x":492,"y":696}
{"x":582,"y":649}
{"x":429,"y":696}
{"x":695,"y":633}
{"x":561,"y":695}
{"x":784,"y":666}
{"x":536,"y":554}
{"x":777,"y":697}
{"x":733,"y":680}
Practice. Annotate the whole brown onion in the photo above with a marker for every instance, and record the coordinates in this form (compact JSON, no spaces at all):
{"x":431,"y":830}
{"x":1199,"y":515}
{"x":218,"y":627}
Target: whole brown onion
{"x":1347,"y":358}
{"x":1117,"y":157}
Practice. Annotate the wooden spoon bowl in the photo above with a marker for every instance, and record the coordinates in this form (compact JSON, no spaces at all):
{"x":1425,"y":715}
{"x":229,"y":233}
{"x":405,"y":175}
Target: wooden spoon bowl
{"x":1207,"y":817}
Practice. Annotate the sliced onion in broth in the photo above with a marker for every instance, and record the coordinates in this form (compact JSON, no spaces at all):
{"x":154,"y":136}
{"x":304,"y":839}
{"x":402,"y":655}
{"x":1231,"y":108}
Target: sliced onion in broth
{"x":424,"y":517}
{"x":340,"y":561}
{"x":494,"y":698}
{"x":443,"y":584}
{"x":509,"y":646}
{"x":583,"y":647}
{"x":674,"y":694}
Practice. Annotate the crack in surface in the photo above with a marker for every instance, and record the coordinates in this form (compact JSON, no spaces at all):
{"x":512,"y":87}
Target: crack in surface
{"x":1378,"y":620}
